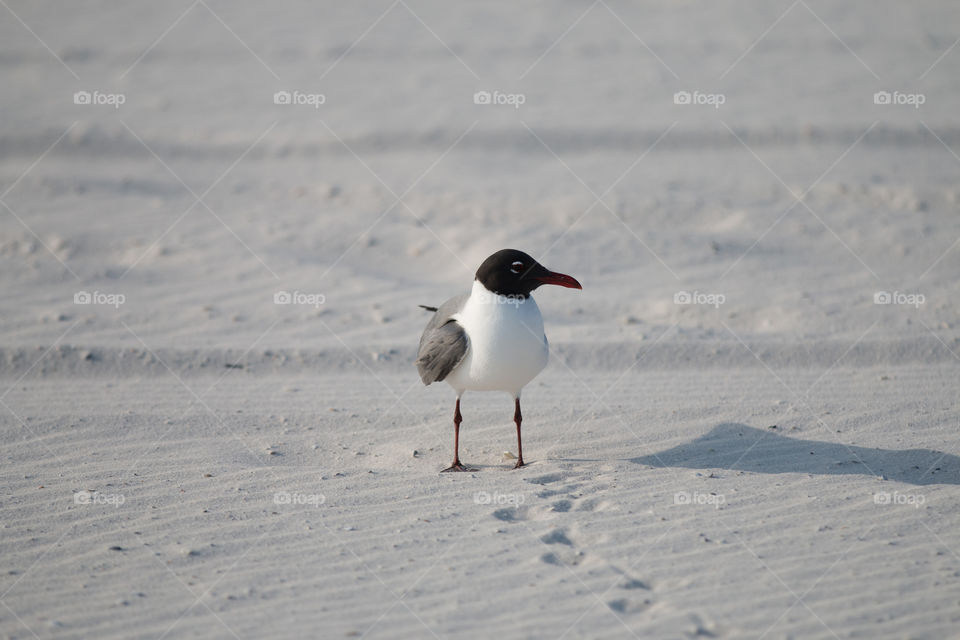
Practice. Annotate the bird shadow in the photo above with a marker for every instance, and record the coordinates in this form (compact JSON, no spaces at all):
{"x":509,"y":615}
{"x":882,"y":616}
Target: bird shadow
{"x":743,"y":448}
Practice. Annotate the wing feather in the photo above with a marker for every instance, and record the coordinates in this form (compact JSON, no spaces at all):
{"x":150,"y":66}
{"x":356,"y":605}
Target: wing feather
{"x":443,"y":343}
{"x":441,"y":350}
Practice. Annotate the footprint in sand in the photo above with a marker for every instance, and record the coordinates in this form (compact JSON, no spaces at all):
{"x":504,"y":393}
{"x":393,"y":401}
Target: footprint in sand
{"x":510,"y":514}
{"x":548,"y":478}
{"x":557,"y":536}
{"x":575,"y":493}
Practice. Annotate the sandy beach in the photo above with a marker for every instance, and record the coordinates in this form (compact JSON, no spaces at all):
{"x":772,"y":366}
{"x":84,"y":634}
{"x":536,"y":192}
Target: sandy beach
{"x":218,"y":219}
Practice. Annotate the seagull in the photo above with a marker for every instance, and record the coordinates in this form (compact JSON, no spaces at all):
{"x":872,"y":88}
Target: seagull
{"x":490,"y":339}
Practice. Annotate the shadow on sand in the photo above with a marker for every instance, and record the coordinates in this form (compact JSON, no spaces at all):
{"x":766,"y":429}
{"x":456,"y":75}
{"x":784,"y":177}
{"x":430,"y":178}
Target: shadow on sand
{"x":742,"y":448}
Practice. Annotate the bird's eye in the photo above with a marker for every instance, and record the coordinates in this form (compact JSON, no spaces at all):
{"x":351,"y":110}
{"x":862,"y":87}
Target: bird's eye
{"x":516,"y":267}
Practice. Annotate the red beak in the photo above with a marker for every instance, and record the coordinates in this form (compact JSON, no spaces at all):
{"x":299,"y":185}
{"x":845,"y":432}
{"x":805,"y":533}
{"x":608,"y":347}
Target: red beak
{"x":559,"y":279}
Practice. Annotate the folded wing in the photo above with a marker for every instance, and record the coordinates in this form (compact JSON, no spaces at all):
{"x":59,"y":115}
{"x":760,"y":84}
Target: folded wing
{"x":443,"y":343}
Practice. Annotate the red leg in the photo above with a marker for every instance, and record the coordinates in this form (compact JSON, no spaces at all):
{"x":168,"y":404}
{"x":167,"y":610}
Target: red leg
{"x":518,"y":418}
{"x":457,"y":419}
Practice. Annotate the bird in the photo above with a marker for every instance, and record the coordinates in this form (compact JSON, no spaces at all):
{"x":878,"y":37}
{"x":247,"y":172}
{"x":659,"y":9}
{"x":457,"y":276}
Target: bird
{"x":492,"y":338}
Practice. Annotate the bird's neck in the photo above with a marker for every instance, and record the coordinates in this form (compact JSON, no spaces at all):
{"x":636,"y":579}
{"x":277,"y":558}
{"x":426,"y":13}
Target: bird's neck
{"x":478,"y":285}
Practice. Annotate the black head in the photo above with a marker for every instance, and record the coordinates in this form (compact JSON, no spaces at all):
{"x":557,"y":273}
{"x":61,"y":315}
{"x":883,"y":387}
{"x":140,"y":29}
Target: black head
{"x":509,"y":272}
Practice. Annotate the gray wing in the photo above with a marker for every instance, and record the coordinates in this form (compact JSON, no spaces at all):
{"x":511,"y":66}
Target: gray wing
{"x":443,"y":343}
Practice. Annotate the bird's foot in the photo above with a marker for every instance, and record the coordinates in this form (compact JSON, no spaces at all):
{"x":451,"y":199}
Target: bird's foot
{"x":519,"y":464}
{"x":457,"y":466}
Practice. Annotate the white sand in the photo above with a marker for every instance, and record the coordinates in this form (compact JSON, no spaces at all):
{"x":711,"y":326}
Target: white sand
{"x":783,"y":465}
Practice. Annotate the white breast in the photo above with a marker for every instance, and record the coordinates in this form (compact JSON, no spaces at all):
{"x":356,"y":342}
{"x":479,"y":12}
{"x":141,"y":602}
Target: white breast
{"x":507,"y":347}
